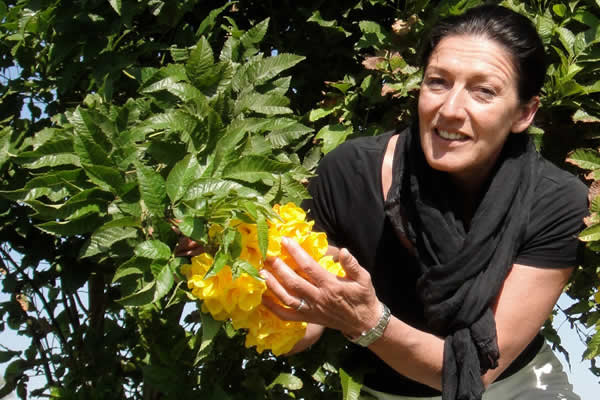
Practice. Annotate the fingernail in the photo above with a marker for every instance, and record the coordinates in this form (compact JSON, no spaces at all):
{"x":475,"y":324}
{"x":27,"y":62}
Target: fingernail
{"x":263,"y":273}
{"x":285,"y":241}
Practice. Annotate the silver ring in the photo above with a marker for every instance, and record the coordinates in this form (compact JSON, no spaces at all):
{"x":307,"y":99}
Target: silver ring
{"x":301,"y":305}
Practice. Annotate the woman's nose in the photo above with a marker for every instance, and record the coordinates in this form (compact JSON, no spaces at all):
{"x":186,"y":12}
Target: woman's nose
{"x":453,"y":105}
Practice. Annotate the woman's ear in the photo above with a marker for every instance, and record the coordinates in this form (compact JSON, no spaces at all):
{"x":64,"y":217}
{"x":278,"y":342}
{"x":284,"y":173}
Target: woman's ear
{"x":526,"y":113}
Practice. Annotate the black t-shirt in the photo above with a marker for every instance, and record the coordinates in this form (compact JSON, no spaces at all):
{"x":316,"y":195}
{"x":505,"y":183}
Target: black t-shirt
{"x":348,"y":205}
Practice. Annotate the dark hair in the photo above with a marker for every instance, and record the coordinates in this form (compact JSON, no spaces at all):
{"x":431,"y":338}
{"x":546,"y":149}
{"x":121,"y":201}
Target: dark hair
{"x":512,"y":30}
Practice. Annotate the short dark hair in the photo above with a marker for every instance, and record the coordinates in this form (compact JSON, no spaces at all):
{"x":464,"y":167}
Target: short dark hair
{"x":513,"y":31}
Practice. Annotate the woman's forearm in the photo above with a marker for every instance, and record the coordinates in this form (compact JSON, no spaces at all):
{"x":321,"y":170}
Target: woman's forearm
{"x":413,"y":353}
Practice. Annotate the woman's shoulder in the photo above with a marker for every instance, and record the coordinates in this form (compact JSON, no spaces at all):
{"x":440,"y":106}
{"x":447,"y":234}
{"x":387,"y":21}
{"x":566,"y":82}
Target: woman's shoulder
{"x":355,"y":153}
{"x":561,"y":185}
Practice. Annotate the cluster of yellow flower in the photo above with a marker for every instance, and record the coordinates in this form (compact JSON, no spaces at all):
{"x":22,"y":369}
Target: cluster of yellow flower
{"x":240,"y":299}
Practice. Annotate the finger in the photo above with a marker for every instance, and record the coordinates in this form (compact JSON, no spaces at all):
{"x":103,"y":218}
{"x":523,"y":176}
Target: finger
{"x":294,"y":284}
{"x":277,"y":289}
{"x":286,"y":314}
{"x":350,"y":265}
{"x":315,"y":272}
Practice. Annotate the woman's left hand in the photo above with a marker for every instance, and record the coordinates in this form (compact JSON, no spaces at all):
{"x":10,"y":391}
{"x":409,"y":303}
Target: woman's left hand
{"x":348,"y":304}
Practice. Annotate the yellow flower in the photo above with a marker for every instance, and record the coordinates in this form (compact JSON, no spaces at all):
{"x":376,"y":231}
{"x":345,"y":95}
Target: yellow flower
{"x":240,"y":299}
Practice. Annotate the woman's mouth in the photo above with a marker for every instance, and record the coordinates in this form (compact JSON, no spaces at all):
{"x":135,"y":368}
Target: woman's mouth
{"x":450,"y":135}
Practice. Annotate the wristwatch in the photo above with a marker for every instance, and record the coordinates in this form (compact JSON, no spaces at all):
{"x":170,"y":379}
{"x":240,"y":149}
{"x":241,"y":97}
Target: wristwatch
{"x":366,"y":338}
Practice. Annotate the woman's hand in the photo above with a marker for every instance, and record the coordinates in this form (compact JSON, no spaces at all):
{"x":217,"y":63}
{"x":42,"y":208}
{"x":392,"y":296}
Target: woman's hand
{"x":312,"y":335}
{"x":348,"y":304}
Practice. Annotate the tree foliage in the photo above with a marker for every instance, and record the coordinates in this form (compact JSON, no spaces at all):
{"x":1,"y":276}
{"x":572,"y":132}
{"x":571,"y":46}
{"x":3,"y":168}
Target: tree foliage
{"x":122,"y":119}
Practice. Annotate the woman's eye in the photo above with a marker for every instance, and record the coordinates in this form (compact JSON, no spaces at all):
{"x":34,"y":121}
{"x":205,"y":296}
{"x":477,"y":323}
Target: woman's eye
{"x":485,"y":92}
{"x":435,"y":83}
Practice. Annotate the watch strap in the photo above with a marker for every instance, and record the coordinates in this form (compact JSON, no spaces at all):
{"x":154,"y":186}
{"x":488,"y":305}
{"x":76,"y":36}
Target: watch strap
{"x":366,"y":338}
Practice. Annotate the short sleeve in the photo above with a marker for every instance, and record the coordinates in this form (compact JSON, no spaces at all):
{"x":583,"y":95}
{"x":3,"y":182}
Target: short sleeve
{"x":321,"y":206}
{"x":555,"y":222}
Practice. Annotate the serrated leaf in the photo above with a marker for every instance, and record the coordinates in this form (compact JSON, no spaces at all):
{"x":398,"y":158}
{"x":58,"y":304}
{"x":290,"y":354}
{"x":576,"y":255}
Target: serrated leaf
{"x":164,"y":282}
{"x":262,"y":231}
{"x":585,"y":158}
{"x":350,"y":387}
{"x":219,"y":263}
{"x":102,"y":240}
{"x":333,"y":135}
{"x":200,"y":60}
{"x":567,"y":38}
{"x":181,"y":177}
{"x":207,"y":187}
{"x":591,"y":233}
{"x":252,"y":37}
{"x":133,"y":266}
{"x":53,"y":160}
{"x":153,"y":249}
{"x":254,"y":168}
{"x":208,"y":23}
{"x":107,"y":178}
{"x":194,"y":228}
{"x":257,"y":72}
{"x":152,"y":190}
{"x":70,"y":228}
{"x":244,"y":266}
{"x":287,"y":381}
{"x":140,"y":298}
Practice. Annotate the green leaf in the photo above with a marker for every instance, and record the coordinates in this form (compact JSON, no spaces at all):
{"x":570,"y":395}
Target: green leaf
{"x":333,"y":135}
{"x":208,"y":23}
{"x":152,"y":190}
{"x":210,"y":328}
{"x":140,"y":298}
{"x":567,"y":38}
{"x":133,"y":266}
{"x":116,"y":5}
{"x":262,"y":231}
{"x":350,"y":387}
{"x":208,"y":187}
{"x":219,"y":262}
{"x":252,"y":37}
{"x":257,"y":72}
{"x":582,"y":116}
{"x":240,"y":266}
{"x":585,"y":158}
{"x":6,"y":356}
{"x":254,"y":168}
{"x":593,"y":347}
{"x":70,"y":228}
{"x":590,"y":234}
{"x":107,"y":178}
{"x":164,"y":282}
{"x":181,"y":177}
{"x":200,"y":60}
{"x":102,"y":240}
{"x":153,"y":249}
{"x":287,"y":381}
{"x":332,"y":24}
{"x":559,"y":9}
{"x":194,"y":228}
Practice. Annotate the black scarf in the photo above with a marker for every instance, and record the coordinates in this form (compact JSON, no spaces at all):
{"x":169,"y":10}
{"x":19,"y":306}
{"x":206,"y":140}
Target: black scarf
{"x":462,"y":270}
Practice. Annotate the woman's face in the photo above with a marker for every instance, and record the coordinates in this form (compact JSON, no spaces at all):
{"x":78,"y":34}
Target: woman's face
{"x":468,"y":105}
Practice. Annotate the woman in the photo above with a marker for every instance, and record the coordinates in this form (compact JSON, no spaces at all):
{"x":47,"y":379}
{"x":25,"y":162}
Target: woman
{"x":456,"y":224}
